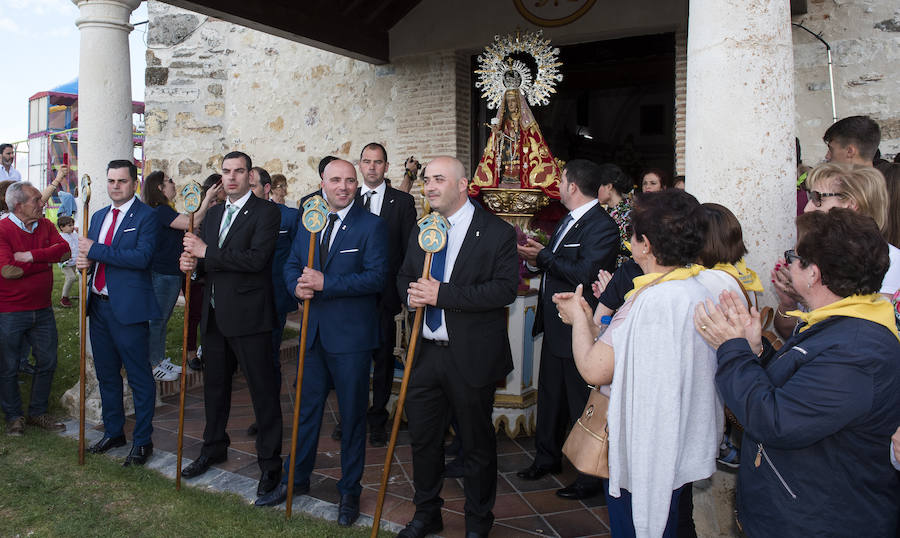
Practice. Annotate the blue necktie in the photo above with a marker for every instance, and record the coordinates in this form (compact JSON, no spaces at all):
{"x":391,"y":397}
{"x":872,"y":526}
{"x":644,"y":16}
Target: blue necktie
{"x":433,"y":313}
{"x":558,"y":235}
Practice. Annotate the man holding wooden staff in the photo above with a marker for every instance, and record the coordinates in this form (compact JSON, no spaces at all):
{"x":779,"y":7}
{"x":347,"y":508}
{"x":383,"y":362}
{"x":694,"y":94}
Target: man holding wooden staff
{"x":464,"y":347}
{"x":119,"y":251}
{"x":347,"y":273}
{"x":234,"y":249}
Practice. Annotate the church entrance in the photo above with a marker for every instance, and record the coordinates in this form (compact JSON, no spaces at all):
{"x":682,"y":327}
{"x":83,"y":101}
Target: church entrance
{"x":616,"y":103}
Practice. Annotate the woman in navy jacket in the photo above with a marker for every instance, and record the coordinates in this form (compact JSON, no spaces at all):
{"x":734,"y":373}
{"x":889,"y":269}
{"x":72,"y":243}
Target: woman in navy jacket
{"x":819,"y":413}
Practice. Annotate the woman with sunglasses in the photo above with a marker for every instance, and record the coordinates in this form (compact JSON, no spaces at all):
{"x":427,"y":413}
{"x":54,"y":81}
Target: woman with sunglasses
{"x":818,"y":414}
{"x":159,"y":193}
{"x":830,"y":185}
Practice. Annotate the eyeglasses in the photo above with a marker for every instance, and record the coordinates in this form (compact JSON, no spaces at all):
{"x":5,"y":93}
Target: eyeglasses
{"x":791,"y":255}
{"x":816,"y":196}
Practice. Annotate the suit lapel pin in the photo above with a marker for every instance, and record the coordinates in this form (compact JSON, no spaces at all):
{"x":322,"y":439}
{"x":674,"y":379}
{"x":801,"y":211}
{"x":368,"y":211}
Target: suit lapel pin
{"x":344,"y":227}
{"x":477,"y":233}
{"x":246,"y":211}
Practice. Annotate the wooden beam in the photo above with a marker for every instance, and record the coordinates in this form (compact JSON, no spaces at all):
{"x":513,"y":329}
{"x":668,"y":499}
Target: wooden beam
{"x":309,"y":24}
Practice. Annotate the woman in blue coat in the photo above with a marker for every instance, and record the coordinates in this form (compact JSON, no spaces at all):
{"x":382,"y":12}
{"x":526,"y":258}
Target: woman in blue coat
{"x":819,"y":413}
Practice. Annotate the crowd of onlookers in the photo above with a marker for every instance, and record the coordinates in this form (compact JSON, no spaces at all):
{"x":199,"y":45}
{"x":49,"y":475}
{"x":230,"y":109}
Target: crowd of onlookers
{"x":646,"y":297}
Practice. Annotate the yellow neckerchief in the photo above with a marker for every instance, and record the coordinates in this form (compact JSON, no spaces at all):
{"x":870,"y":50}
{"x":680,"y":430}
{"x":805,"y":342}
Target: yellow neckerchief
{"x":873,"y":307}
{"x":682,"y":273}
{"x":744,"y":274}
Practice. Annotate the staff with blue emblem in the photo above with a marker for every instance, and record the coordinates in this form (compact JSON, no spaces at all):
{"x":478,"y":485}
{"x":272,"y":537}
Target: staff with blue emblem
{"x":192,"y":199}
{"x":432,"y":238}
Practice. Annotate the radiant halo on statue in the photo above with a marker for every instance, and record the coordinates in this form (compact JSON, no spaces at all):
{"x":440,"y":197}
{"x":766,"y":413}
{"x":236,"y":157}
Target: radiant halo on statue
{"x":500,"y":70}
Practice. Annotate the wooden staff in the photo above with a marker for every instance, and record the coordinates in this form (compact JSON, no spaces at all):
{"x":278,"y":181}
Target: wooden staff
{"x":191,"y":193}
{"x":82,"y":296}
{"x":314,"y":219}
{"x":407,"y":370}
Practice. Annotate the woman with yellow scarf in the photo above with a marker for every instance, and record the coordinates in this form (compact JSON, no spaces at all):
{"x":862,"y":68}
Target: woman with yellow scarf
{"x":819,"y":413}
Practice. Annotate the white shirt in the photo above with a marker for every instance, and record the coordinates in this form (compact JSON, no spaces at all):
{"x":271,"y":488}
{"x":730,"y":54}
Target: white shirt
{"x":342,"y":214}
{"x":377,"y":198}
{"x":239,"y":204}
{"x":11,"y":174}
{"x":459,"y":227}
{"x":576,"y":214}
{"x":891,"y":281}
{"x":107,"y":221}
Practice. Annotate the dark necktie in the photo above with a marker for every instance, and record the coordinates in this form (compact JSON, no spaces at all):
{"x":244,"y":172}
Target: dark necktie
{"x":558,"y":234}
{"x":326,"y":239}
{"x":367,"y":202}
{"x":100,"y":277}
{"x":433,"y":313}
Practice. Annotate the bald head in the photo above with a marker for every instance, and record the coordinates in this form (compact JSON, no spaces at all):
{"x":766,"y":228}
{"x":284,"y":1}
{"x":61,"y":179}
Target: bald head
{"x":446,"y":185}
{"x":339,"y":184}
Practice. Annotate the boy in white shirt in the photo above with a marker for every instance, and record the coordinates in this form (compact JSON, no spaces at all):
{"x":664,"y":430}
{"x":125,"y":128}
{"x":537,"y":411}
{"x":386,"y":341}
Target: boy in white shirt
{"x":66,"y":227}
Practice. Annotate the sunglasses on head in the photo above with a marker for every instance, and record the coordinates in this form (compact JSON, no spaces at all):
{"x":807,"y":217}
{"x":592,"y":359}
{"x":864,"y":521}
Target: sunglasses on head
{"x":816,"y":196}
{"x":791,"y":255}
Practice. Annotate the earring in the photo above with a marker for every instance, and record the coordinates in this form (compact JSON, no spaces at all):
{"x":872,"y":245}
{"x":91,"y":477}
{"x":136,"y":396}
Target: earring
{"x":809,"y":284}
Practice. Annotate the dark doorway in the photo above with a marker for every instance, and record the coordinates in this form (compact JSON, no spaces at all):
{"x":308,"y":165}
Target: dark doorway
{"x":616,"y":103}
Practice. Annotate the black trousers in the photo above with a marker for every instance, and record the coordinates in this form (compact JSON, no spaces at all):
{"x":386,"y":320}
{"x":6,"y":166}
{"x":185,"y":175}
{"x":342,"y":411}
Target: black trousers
{"x":253,"y":353}
{"x":436,"y":390}
{"x":382,"y":373}
{"x":562,"y":395}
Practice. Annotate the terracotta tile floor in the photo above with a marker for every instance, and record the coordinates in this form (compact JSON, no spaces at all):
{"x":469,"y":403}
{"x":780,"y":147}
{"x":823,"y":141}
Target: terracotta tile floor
{"x":522,"y":508}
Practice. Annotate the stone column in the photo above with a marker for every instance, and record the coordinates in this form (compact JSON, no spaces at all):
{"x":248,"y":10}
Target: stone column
{"x":740,"y":120}
{"x":740,"y":153}
{"x":104,"y":89}
{"x":104,"y":125}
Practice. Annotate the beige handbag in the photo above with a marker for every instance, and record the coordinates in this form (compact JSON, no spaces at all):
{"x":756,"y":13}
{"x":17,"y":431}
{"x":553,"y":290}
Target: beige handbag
{"x":587,"y":446}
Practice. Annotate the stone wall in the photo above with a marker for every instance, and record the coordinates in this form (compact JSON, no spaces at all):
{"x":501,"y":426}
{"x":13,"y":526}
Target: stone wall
{"x":865,"y":39}
{"x":212,"y":87}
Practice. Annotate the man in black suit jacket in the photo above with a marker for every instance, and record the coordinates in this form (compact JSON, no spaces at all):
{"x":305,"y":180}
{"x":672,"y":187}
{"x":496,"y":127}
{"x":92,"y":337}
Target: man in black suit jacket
{"x":235,"y":246}
{"x":398,"y":210}
{"x":585,"y":241}
{"x":464,"y":348}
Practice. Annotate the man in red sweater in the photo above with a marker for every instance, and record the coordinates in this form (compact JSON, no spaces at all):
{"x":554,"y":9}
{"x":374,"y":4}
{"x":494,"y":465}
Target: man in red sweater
{"x":29,"y":244}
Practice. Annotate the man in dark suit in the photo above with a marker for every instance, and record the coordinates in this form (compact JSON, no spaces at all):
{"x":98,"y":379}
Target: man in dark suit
{"x":119,"y":250}
{"x":585,"y":241}
{"x":398,"y":210}
{"x":342,"y":285}
{"x":464,"y":348}
{"x":234,"y":248}
{"x":285,"y":302}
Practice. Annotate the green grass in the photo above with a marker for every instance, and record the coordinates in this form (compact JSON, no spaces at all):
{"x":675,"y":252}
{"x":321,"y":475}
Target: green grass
{"x":46,"y":493}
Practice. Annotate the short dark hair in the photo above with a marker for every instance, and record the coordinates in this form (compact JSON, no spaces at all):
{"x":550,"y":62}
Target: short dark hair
{"x":324,"y":162}
{"x":861,"y":131}
{"x":610,"y":174}
{"x":665,"y":178}
{"x":585,"y":175}
{"x":4,"y":146}
{"x":151,"y":193}
{"x":64,"y":220}
{"x":847,"y":247}
{"x":724,"y":241}
{"x":264,"y":177}
{"x":123,"y":163}
{"x":210,"y":180}
{"x":374,"y":145}
{"x":239,"y":155}
{"x":670,"y":220}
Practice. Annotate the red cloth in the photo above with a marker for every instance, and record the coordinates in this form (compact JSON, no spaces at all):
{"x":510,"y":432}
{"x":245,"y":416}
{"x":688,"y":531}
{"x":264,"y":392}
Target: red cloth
{"x":32,"y":291}
{"x":100,"y":277}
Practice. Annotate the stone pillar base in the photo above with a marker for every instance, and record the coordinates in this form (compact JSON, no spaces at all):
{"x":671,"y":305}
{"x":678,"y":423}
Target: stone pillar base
{"x":714,"y":506}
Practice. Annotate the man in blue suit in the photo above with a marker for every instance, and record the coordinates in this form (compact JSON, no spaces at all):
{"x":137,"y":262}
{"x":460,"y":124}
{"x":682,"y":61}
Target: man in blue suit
{"x":118,"y":250}
{"x":347,"y":274}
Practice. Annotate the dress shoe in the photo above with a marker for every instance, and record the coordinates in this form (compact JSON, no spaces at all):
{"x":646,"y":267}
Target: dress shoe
{"x":419,"y":528}
{"x":378,"y":437}
{"x":279,"y":494}
{"x":455,"y":469}
{"x":195,"y":363}
{"x":252,"y":430}
{"x":337,"y":432}
{"x":138,"y":455}
{"x":536,"y":472}
{"x":201,"y":465}
{"x":577,"y":491}
{"x":476,"y":534}
{"x":348,"y":511}
{"x":107,"y":443}
{"x":268,"y":481}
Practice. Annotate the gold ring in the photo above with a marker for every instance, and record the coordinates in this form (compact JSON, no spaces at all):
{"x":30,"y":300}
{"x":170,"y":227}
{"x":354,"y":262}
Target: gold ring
{"x":703,"y":327}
